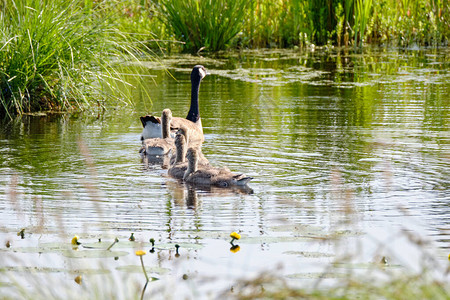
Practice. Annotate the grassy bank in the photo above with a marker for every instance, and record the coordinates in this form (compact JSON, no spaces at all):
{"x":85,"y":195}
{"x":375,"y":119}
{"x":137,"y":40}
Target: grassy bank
{"x":284,"y":23}
{"x":60,"y":55}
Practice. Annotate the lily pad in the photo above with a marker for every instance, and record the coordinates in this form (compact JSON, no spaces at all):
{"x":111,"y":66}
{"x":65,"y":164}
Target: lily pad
{"x":170,"y":246}
{"x":119,"y":245}
{"x":316,"y":275}
{"x":211,"y":235}
{"x":90,"y":271}
{"x":94,"y":253}
{"x":138,"y":269}
{"x":297,"y":228}
{"x":47,"y":248}
{"x":365,"y":265}
{"x":343,"y":233}
{"x":309,"y":254}
{"x":272,"y":239}
{"x":32,"y":269}
{"x":52,"y":270}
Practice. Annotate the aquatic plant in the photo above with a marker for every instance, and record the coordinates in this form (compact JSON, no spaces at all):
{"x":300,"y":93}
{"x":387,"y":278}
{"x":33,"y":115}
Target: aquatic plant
{"x":363,"y":9}
{"x":209,"y":25}
{"x":59,"y":55}
{"x":234,"y":236}
{"x":75,"y":241}
{"x":357,"y":22}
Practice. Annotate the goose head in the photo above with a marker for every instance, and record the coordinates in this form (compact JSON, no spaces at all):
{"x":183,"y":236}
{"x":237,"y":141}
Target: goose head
{"x":192,"y":157}
{"x":166,"y":115}
{"x":180,"y":144}
{"x":166,"y":118}
{"x":184,"y":131}
{"x":198,"y":73}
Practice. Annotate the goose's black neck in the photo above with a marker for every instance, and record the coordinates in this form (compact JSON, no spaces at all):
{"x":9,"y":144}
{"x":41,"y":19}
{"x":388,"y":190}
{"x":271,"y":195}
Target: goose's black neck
{"x":194,"y":111}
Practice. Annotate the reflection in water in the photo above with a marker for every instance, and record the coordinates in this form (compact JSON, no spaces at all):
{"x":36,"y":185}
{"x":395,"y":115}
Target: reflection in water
{"x":152,"y":161}
{"x":187,"y":194}
{"x":191,"y":198}
{"x":353,"y":145}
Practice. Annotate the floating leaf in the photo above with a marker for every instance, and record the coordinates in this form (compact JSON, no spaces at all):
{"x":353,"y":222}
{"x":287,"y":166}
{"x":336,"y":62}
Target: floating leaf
{"x":89,"y":271}
{"x":120,"y":244}
{"x":272,"y":239}
{"x":298,"y":229}
{"x":309,"y":254}
{"x":366,"y":265}
{"x":170,"y":246}
{"x":210,"y":235}
{"x":316,"y":275}
{"x":45,"y":248}
{"x":138,"y":269}
{"x":32,"y":269}
{"x":52,"y":270}
{"x":94,"y":253}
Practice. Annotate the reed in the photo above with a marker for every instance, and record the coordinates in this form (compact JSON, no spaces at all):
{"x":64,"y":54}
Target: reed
{"x":363,"y":9}
{"x":59,"y":55}
{"x":209,"y":25}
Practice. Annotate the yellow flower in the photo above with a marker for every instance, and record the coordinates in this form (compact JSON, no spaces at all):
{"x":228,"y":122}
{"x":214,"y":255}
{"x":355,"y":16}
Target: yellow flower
{"x":235,"y":249}
{"x":75,"y":241}
{"x":235,"y":235}
{"x":449,"y":257}
{"x":140,"y":252}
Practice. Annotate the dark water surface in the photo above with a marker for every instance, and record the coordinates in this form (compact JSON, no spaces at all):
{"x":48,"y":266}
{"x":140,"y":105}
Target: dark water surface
{"x":349,"y":153}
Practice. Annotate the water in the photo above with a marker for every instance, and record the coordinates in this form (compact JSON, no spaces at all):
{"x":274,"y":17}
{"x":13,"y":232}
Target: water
{"x":349,"y":153}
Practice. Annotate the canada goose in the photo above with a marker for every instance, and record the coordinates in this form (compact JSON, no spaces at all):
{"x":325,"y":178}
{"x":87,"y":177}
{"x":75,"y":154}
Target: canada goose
{"x":209,"y":175}
{"x":160,"y":146}
{"x":192,"y":122}
{"x":178,"y":162}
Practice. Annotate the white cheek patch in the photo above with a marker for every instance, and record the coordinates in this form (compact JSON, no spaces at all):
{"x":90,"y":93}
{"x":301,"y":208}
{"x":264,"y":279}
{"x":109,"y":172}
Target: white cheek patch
{"x":202,"y":73}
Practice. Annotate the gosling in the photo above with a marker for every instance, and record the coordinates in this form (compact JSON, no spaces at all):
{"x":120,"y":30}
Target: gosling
{"x":178,"y":161}
{"x":160,"y":146}
{"x":207,"y":176}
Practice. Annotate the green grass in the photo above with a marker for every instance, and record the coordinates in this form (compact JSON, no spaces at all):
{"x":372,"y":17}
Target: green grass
{"x":60,"y":55}
{"x":215,"y":25}
{"x":208,"y":24}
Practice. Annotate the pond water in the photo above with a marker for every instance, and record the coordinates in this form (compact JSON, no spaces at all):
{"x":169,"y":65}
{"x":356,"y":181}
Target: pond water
{"x":350,"y":157}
